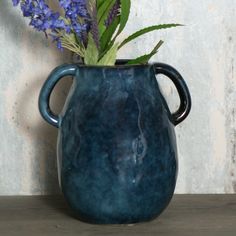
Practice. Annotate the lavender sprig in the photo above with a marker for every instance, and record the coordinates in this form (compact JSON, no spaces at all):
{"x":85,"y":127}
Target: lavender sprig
{"x":86,"y":27}
{"x":42,"y":18}
{"x":76,"y":12}
{"x":92,"y":10}
{"x":114,"y":12}
{"x":15,"y":2}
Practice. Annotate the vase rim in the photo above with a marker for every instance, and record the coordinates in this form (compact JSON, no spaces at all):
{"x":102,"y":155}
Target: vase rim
{"x":120,"y":64}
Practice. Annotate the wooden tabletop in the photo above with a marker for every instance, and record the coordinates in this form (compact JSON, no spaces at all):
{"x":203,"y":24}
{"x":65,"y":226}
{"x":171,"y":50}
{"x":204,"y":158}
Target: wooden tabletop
{"x":188,"y":215}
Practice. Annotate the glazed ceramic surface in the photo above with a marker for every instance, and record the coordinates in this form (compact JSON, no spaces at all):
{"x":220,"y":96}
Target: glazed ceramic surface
{"x":117,"y":153}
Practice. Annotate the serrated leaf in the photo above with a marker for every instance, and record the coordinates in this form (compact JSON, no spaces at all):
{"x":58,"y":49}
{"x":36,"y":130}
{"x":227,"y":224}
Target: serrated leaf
{"x":147,"y":30}
{"x":145,"y":58}
{"x":91,"y":53}
{"x":109,"y":58}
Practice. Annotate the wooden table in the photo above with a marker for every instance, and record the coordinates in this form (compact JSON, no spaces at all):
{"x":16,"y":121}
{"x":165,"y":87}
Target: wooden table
{"x":188,"y":215}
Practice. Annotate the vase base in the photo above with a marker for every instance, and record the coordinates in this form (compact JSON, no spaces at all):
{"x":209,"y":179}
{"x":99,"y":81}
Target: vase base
{"x":109,"y":222}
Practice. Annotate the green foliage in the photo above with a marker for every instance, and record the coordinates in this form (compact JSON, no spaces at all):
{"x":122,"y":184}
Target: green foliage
{"x":108,"y":34}
{"x":88,"y":28}
{"x":124,"y":16}
{"x":103,"y":12}
{"x":147,"y":30}
{"x":145,"y":58}
{"x":109,"y":58}
{"x":99,"y":3}
{"x":91,"y":53}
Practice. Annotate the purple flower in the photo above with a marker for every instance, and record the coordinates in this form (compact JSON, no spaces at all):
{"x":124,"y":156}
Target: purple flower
{"x":93,"y":21}
{"x":114,"y":12}
{"x":75,"y":10}
{"x":57,"y":39}
{"x":15,"y":2}
{"x":43,"y":18}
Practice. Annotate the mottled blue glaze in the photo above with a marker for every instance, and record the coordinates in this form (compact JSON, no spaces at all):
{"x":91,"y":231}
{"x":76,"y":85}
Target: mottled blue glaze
{"x":117,"y":148}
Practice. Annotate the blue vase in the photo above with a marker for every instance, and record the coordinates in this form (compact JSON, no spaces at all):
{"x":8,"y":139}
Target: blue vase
{"x":117,"y":153}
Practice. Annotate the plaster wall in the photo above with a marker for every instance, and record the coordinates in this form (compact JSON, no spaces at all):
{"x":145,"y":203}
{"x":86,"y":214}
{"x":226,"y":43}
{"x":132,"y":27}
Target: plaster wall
{"x":203,"y":51}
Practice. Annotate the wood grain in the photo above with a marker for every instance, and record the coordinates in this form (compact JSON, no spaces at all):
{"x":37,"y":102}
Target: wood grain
{"x":195,"y":215}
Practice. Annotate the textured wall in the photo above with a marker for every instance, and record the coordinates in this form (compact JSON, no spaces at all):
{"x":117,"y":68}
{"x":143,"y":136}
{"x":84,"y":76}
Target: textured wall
{"x":203,"y":52}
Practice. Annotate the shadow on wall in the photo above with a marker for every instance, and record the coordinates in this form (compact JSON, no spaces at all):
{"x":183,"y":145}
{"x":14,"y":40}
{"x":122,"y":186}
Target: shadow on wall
{"x":43,"y":136}
{"x":39,"y":137}
{"x":9,"y":19}
{"x":16,"y":25}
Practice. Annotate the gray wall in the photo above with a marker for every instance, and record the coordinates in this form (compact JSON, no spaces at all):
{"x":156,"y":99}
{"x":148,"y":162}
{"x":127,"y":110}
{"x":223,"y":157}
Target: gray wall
{"x":203,"y":51}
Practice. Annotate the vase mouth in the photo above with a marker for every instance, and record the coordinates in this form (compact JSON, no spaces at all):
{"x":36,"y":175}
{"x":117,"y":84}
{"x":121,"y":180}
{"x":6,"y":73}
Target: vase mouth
{"x":121,"y":63}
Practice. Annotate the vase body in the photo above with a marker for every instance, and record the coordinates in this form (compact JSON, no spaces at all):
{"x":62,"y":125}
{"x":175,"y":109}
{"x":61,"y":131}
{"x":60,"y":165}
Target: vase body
{"x":117,"y":153}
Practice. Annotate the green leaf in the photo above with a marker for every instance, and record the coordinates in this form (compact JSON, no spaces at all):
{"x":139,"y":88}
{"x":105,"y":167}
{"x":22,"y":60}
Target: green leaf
{"x":124,"y":16}
{"x":108,"y":42}
{"x":103,"y":13}
{"x":107,"y":35}
{"x":91,"y":53}
{"x":147,"y":30}
{"x":145,"y":58}
{"x":109,"y":58}
{"x":99,"y":3}
{"x":102,"y":8}
{"x":92,"y":11}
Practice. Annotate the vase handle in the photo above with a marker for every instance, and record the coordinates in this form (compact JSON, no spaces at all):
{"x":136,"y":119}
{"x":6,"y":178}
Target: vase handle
{"x":185,"y":98}
{"x":45,"y":93}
